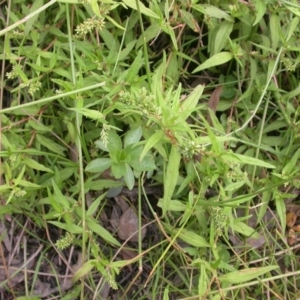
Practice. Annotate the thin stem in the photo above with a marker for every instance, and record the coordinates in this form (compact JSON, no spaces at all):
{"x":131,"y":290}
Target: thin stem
{"x":140,"y":222}
{"x":145,"y":44}
{"x":52,"y":98}
{"x":260,"y":136}
{"x":272,"y":73}
{"x":78,"y":117}
{"x":25,"y":19}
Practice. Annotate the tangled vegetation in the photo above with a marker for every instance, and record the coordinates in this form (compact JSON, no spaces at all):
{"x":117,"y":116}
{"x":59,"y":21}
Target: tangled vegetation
{"x":149,"y":149}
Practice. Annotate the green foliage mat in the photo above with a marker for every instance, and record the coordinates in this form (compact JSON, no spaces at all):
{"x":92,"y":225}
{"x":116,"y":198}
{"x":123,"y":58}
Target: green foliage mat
{"x":184,"y":114}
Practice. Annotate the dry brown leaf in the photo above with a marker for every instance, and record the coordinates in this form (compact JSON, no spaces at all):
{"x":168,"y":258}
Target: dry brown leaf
{"x":127,"y":255}
{"x":73,"y":153}
{"x":4,"y":236}
{"x":292,"y":238}
{"x":115,"y":216}
{"x":254,"y":243}
{"x":122,"y":203}
{"x":296,"y":228}
{"x":128,"y":225}
{"x":14,"y":272}
{"x":43,"y":289}
{"x":294,"y":208}
{"x":291,"y":218}
{"x":213,"y":102}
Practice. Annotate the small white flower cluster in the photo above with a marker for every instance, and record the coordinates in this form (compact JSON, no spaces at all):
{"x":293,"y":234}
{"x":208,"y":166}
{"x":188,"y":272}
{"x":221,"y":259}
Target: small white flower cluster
{"x":190,"y":149}
{"x":103,"y":135}
{"x":89,"y":25}
{"x":220,"y":219}
{"x":65,"y":241}
{"x":20,"y":193}
{"x":144,"y":101}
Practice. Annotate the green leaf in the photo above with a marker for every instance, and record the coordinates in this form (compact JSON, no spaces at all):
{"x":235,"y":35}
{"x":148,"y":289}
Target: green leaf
{"x":203,"y":280}
{"x":170,"y":178}
{"x":215,"y":60}
{"x":175,"y":205}
{"x":275,"y":30}
{"x":118,"y":169}
{"x":144,"y":10}
{"x":133,"y":136}
{"x":95,"y":205}
{"x":245,"y":275}
{"x":31,"y":22}
{"x":129,"y":177}
{"x":124,"y":53}
{"x":68,"y":1}
{"x":118,"y":156}
{"x":90,"y":113}
{"x":39,"y":126}
{"x":147,"y":164}
{"x":167,"y":28}
{"x":133,"y":71}
{"x":113,"y":22}
{"x":55,"y":204}
{"x":19,"y":71}
{"x":84,"y":270}
{"x":292,"y":26}
{"x":28,"y":184}
{"x":294,"y":10}
{"x":157,"y":80}
{"x":32,"y":110}
{"x":244,"y":229}
{"x":212,"y":11}
{"x":20,"y":176}
{"x":50,"y":145}
{"x":291,"y":164}
{"x":102,"y":232}
{"x":216,"y":123}
{"x":292,"y":94}
{"x":72,"y":228}
{"x":99,"y":144}
{"x":234,"y":186}
{"x":114,"y":141}
{"x":222,"y":36}
{"x":98,"y":165}
{"x":59,"y":197}
{"x":281,"y":211}
{"x":104,"y":184}
{"x":188,"y":179}
{"x":4,"y":188}
{"x":28,"y":298}
{"x":95,"y":8}
{"x":150,"y":33}
{"x":192,"y":238}
{"x":189,"y":19}
{"x":260,"y":7}
{"x":189,"y":104}
{"x":243,"y":159}
{"x":166,"y":293}
{"x":54,"y":56}
{"x":172,"y":72}
{"x":241,"y":199}
{"x":123,"y":263}
{"x":63,"y":73}
{"x":216,"y":146}
{"x":35,"y":165}
{"x":151,"y":142}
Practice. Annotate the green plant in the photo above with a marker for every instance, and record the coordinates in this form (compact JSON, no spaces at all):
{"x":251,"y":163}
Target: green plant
{"x":199,"y":101}
{"x":124,"y":161}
